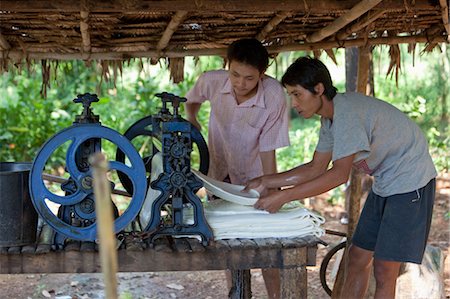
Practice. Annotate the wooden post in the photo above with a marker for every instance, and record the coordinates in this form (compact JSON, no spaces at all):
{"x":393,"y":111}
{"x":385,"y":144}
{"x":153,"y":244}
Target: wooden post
{"x":105,"y":224}
{"x":240,"y":284}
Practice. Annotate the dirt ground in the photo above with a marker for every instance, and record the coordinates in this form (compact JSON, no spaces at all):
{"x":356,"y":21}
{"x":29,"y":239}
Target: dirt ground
{"x":208,"y":284}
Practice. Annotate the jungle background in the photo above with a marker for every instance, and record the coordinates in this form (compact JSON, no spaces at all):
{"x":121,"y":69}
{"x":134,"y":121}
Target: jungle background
{"x":32,"y":112}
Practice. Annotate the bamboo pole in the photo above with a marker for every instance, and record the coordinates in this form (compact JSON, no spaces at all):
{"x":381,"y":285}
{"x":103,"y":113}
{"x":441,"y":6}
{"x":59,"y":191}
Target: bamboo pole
{"x":445,"y":16}
{"x":18,"y":55}
{"x":105,"y":224}
{"x":369,"y":19}
{"x":176,"y":20}
{"x":354,"y":13}
{"x":277,"y":19}
{"x":84,"y":28}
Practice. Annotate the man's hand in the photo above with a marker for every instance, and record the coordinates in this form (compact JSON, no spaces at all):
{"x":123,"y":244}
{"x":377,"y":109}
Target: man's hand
{"x":271,"y":203}
{"x":256,"y":184}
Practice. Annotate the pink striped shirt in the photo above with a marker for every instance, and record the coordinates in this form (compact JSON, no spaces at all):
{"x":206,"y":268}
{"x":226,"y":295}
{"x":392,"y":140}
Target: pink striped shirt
{"x":238,"y":133}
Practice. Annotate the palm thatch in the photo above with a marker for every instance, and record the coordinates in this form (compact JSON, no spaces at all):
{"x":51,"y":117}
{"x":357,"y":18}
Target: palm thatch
{"x":118,"y":30}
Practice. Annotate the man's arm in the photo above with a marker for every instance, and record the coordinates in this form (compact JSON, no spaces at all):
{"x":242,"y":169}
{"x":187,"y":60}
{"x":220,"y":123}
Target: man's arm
{"x":331,"y":178}
{"x":298,"y":175}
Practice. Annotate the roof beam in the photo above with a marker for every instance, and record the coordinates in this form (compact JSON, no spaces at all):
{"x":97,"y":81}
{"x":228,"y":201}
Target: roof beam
{"x":277,"y":19}
{"x":354,"y":13}
{"x":4,"y":43}
{"x":176,"y":20}
{"x":18,"y":55}
{"x":369,"y":19}
{"x":84,"y":28}
{"x":307,"y":6}
{"x":445,"y":16}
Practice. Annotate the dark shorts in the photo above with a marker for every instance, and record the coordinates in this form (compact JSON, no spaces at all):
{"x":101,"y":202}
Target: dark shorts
{"x":396,"y":227}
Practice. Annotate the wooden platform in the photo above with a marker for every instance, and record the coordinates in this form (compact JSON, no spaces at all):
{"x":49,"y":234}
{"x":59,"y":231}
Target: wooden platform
{"x":291,"y":255}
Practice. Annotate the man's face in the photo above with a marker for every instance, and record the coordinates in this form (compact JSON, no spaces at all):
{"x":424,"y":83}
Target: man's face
{"x":244,"y":79}
{"x":304,"y":101}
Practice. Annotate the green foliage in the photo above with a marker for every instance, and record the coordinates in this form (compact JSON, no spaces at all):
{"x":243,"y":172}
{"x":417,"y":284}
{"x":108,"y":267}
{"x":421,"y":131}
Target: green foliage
{"x":27,"y":120}
{"x":303,"y":135}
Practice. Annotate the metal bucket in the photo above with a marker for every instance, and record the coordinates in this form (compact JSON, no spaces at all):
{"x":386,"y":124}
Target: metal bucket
{"x":18,"y":218}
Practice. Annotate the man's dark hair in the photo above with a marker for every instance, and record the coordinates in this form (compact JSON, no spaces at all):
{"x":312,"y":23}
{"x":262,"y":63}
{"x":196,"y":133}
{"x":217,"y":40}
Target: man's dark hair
{"x":308,"y":72}
{"x":249,"y":51}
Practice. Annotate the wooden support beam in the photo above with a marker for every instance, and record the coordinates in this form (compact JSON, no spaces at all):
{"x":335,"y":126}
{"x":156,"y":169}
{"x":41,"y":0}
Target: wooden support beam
{"x":4,"y":43}
{"x":354,"y":13}
{"x":363,"y":79}
{"x":18,"y":55}
{"x":277,"y":19}
{"x":445,"y":16}
{"x":307,"y":6}
{"x":176,"y":20}
{"x":84,"y":29}
{"x":370,"y":18}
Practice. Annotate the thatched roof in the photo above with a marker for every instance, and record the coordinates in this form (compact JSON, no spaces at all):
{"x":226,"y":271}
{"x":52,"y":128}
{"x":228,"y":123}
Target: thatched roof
{"x":123,"y":29}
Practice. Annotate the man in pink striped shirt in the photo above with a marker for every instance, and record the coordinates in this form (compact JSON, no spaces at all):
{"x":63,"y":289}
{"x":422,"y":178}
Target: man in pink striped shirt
{"x":247,"y":123}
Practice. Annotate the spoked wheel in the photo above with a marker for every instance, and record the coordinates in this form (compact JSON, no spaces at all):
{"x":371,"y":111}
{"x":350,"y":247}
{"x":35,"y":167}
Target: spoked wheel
{"x":146,"y":141}
{"x":78,"y":205}
{"x":331,"y":256}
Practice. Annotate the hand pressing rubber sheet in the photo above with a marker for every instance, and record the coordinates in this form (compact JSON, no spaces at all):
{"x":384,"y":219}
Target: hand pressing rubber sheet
{"x":233,"y":216}
{"x":227,"y":191}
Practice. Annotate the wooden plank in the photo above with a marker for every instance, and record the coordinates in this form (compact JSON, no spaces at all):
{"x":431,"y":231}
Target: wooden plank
{"x":29,"y":249}
{"x":196,"y":246}
{"x":131,"y":261}
{"x":181,"y":245}
{"x":162,"y":244}
{"x":88,"y":247}
{"x":72,"y":245}
{"x":14,"y":250}
{"x":249,"y":243}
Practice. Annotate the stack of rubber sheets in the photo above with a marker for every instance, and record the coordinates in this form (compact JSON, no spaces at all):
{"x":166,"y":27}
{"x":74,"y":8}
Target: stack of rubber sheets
{"x":230,"y":220}
{"x":233,"y":215}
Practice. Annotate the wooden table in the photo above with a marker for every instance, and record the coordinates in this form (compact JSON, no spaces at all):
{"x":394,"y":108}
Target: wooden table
{"x":291,"y":255}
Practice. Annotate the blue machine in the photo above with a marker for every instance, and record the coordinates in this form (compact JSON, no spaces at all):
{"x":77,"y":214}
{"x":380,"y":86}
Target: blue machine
{"x":76,"y":214}
{"x":76,"y":217}
{"x":177,"y":183}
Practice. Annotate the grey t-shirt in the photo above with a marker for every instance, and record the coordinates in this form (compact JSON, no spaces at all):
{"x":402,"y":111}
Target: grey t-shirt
{"x":388,"y":145}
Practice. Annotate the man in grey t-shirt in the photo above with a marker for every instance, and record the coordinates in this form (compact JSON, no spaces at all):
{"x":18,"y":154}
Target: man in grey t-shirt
{"x":378,"y":139}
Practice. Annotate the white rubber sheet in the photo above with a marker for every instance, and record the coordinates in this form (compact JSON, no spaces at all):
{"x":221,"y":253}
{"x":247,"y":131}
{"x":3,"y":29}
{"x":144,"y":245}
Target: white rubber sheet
{"x":234,"y":216}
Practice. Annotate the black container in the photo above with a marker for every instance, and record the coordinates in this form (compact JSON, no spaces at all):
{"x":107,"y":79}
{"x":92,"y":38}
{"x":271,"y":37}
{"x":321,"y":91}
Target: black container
{"x":18,"y":218}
